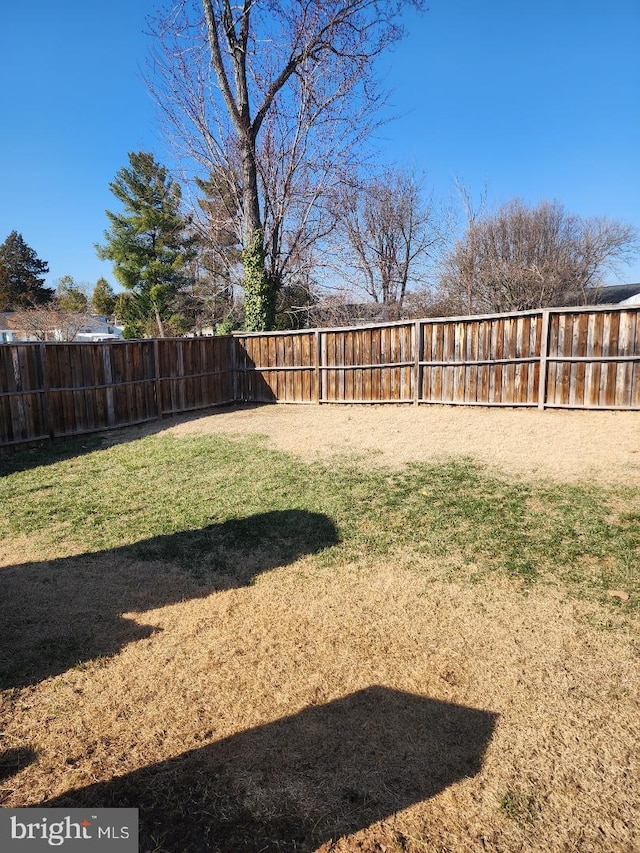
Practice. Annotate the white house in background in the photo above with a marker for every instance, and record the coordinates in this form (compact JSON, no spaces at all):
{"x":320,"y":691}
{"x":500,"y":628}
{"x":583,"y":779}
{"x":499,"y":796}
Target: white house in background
{"x":94,"y":329}
{"x":632,"y":300}
{"x":99,"y":329}
{"x":10,"y":330}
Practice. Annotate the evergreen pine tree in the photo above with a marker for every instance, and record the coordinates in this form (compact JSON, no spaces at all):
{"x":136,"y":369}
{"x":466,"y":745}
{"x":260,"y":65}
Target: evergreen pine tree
{"x":21,"y":275}
{"x":147,"y":241}
{"x":103,"y":299}
{"x":69,"y":296}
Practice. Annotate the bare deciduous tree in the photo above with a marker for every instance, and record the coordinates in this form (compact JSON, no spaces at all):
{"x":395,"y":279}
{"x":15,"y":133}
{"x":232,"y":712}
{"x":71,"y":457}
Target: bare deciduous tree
{"x":530,"y":257}
{"x":473,"y":212}
{"x":389,"y":231}
{"x":279,"y":93}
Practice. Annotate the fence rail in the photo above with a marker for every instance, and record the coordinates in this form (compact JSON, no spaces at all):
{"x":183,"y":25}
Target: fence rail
{"x":553,"y":358}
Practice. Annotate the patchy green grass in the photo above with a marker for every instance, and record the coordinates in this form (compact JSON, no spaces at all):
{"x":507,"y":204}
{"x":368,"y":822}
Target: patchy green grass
{"x":519,"y":807}
{"x":95,"y":496}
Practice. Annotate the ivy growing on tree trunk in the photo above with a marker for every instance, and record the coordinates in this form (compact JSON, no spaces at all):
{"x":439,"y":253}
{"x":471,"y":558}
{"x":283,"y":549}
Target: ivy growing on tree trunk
{"x":259,"y":292}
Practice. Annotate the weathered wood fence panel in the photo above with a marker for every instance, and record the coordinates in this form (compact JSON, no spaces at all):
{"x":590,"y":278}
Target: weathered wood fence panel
{"x":594,"y":359}
{"x":97,"y":386}
{"x":193,"y":373}
{"x":556,"y":358}
{"x":52,"y":390}
{"x":367,"y":364}
{"x":492,"y":361}
{"x":23,"y":414}
{"x":277,"y":367}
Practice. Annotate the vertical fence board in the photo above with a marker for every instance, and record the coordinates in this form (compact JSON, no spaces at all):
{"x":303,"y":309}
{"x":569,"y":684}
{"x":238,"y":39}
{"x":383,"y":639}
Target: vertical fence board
{"x":484,"y":349}
{"x":552,"y":350}
{"x":612,"y":367}
{"x":357,"y":359}
{"x":578,"y":379}
{"x":597,"y":365}
{"x":635,"y":372}
{"x":439,"y":370}
{"x":508,"y":370}
{"x":522,"y":371}
{"x":376,"y":358}
{"x":610,"y":346}
{"x":447,"y":358}
{"x":624,"y":371}
{"x":567,"y":366}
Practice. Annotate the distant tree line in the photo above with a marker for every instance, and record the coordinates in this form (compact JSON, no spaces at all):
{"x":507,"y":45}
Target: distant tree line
{"x":392,"y":250}
{"x":41,"y":310}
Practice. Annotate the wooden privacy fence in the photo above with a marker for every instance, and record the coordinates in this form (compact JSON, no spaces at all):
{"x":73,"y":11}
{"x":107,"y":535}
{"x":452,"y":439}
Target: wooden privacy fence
{"x":61,"y":389}
{"x":555,"y":358}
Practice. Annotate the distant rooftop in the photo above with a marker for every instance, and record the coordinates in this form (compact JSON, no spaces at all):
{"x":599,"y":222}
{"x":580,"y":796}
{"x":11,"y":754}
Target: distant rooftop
{"x":614,"y":294}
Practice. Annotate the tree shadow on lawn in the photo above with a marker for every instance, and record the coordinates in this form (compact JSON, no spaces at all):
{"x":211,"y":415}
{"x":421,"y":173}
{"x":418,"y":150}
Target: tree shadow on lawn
{"x":60,"y":613}
{"x":12,"y":761}
{"x":296,"y":783}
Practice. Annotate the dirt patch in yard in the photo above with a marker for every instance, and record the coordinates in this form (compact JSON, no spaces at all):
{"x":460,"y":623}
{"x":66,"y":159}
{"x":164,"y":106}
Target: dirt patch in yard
{"x":561,"y":445}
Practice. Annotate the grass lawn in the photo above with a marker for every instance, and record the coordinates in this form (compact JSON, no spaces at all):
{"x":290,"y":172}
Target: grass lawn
{"x":263,"y":653}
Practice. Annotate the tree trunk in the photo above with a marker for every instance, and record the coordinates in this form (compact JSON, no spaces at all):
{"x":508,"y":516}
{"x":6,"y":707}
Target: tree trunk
{"x":259,"y":289}
{"x":160,"y":324}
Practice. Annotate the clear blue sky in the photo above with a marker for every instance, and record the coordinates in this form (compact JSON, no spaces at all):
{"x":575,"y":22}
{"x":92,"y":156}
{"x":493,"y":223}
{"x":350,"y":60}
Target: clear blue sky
{"x":536,"y":100}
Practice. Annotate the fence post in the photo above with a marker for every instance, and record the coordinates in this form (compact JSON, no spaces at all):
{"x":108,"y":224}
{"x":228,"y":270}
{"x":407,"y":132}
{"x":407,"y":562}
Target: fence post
{"x":544,"y":353}
{"x":317,"y":371}
{"x":417,"y":358}
{"x":46,"y":410}
{"x":156,"y":378}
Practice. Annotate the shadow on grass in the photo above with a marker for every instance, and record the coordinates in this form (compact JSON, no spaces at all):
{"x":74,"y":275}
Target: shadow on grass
{"x":35,"y":454}
{"x":65,"y":612}
{"x":294,"y":784}
{"x":14,"y":760}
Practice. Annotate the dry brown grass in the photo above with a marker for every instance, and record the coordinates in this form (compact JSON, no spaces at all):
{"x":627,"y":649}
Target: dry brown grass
{"x":225,"y":711}
{"x":562,"y":445}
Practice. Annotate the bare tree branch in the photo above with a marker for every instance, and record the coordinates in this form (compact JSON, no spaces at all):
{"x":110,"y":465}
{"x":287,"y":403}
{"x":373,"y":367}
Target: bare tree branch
{"x":389,"y":232}
{"x":529,"y":257}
